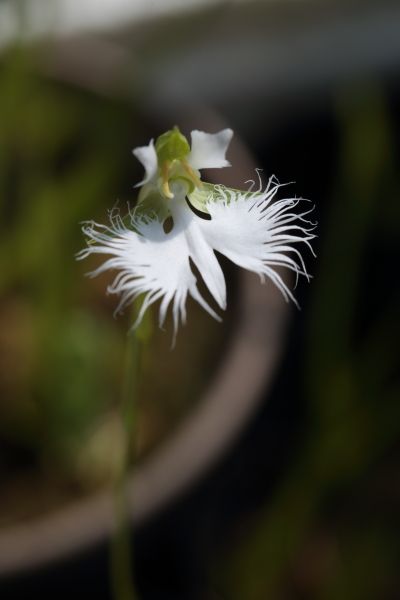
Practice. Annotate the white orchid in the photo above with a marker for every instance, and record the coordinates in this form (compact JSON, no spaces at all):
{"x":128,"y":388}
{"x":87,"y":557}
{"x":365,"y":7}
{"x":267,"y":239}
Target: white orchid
{"x":251,"y":228}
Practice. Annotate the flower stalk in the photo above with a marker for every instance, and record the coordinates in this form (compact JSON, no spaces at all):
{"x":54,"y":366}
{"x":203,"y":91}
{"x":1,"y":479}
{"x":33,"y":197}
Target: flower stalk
{"x":121,"y":543}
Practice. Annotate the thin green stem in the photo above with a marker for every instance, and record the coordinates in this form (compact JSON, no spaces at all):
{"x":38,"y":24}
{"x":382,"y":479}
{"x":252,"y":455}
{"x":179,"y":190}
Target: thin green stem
{"x":121,"y":545}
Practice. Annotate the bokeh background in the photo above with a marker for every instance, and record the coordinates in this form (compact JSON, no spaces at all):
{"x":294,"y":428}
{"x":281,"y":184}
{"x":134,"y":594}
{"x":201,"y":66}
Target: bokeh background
{"x":305,"y":504}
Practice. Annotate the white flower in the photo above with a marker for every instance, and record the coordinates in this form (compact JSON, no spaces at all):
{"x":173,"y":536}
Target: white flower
{"x":251,"y":228}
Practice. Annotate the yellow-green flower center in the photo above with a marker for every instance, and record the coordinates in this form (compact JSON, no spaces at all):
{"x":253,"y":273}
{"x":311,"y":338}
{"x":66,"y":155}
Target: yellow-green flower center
{"x":172,"y":150}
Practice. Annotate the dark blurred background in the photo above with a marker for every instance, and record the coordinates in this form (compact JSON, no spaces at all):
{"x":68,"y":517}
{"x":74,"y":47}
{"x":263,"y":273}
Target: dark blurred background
{"x":305,"y":504}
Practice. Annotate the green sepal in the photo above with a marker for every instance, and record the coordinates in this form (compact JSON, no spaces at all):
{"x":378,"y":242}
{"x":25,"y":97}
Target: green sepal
{"x":171,"y":145}
{"x":200,"y":197}
{"x":209,"y":192}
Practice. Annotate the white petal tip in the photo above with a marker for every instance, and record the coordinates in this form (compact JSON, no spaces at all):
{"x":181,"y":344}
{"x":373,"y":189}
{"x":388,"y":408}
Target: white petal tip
{"x":209,"y":149}
{"x":148,"y":157}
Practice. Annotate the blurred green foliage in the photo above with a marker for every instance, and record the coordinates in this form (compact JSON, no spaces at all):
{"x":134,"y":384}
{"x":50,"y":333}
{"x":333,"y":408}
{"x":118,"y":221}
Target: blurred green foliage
{"x":55,"y":170}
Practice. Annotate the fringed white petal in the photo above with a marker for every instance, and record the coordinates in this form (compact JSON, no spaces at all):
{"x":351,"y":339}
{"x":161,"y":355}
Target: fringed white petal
{"x":156,"y":264}
{"x":208,"y":149}
{"x":252,"y":229}
{"x":257,"y":233}
{"x":148,"y":157}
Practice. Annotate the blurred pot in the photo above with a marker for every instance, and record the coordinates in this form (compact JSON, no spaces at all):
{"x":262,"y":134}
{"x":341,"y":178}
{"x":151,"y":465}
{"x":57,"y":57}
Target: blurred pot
{"x":244,"y":373}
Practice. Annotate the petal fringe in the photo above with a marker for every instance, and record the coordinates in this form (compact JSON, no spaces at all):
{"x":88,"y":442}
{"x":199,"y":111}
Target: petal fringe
{"x":252,"y":229}
{"x":257,"y":233}
{"x":151,"y":263}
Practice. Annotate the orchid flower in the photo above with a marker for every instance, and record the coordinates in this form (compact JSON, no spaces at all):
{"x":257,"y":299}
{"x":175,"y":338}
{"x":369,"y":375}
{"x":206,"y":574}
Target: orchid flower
{"x":179,"y":219}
